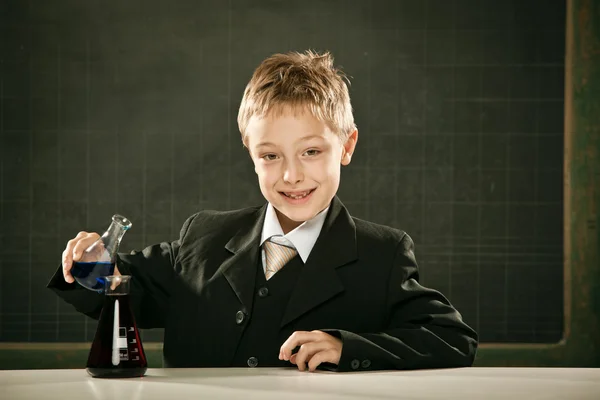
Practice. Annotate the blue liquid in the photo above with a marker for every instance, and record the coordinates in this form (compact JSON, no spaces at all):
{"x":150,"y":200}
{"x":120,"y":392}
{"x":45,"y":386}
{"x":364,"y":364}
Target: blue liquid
{"x":91,"y":274}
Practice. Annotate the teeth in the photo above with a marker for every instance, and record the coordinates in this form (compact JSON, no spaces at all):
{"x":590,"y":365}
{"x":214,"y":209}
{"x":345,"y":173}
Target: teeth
{"x":298,"y":196}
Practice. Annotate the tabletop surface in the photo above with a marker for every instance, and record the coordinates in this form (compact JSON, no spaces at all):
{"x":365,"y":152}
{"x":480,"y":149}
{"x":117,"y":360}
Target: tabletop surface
{"x":287,"y":384}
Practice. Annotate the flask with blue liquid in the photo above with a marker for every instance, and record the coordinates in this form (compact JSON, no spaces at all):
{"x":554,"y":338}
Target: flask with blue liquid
{"x":98,"y":260}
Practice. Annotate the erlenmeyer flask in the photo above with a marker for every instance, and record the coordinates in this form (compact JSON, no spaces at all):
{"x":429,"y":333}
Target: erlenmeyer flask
{"x":117,"y":350}
{"x":98,"y":260}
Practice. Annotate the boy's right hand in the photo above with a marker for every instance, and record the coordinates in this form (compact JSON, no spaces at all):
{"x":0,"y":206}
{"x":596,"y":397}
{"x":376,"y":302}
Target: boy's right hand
{"x":74,"y":251}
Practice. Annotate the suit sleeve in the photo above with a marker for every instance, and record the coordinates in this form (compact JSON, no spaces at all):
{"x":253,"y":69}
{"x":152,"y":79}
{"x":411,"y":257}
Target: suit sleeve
{"x":152,"y":271}
{"x":424,"y":330}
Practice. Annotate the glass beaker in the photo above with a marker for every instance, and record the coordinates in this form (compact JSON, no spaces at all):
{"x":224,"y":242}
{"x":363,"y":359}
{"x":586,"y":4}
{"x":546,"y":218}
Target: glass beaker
{"x":117,"y":350}
{"x":98,"y":260}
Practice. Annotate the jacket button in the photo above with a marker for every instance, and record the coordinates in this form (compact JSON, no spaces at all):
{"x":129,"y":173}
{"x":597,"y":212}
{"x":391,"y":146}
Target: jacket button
{"x":365,"y":364}
{"x":354,"y":364}
{"x":263,"y":292}
{"x":239,"y":317}
{"x":252,"y":362}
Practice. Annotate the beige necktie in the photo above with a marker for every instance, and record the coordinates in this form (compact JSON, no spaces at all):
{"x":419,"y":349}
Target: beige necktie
{"x":277,"y":256}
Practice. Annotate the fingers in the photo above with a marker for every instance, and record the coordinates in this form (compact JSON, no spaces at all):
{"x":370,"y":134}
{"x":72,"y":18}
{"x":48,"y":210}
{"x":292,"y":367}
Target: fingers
{"x":67,"y":257}
{"x":296,"y":339}
{"x":315,"y":347}
{"x":66,"y":266}
{"x":83,"y":243}
{"x":74,"y":251}
{"x":329,"y":356}
{"x":307,"y":351}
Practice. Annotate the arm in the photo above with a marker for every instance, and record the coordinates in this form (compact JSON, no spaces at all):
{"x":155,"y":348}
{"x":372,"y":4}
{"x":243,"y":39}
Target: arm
{"x":152,"y":271}
{"x":424,"y":330}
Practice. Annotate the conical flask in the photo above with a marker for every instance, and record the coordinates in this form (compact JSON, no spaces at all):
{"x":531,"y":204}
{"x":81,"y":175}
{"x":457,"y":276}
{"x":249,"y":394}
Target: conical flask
{"x":98,"y":260}
{"x":117,"y":350}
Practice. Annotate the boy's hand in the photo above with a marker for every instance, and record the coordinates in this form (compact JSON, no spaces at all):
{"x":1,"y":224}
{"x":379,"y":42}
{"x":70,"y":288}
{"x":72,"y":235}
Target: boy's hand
{"x":316,"y":347}
{"x":74,"y":251}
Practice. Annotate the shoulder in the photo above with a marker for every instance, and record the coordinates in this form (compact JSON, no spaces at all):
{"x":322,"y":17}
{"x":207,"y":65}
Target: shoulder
{"x":213,"y":221}
{"x":382,"y":239}
{"x":377,"y":232}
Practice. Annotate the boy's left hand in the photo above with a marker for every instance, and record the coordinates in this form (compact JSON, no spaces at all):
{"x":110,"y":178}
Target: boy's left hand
{"x":316,"y":347}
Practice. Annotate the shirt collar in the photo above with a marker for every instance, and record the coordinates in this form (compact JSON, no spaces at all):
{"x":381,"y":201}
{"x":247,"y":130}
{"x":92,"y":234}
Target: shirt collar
{"x":303,"y":238}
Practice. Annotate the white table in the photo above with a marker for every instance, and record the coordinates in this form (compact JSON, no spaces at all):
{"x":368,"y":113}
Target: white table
{"x":289,"y":384}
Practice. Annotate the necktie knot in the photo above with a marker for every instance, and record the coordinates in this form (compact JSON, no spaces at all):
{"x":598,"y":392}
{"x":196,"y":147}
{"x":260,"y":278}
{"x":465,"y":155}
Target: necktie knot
{"x":276,"y":256}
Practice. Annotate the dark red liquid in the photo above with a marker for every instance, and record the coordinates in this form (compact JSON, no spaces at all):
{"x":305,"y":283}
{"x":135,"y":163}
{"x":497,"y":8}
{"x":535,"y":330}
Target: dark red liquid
{"x":117,"y":353}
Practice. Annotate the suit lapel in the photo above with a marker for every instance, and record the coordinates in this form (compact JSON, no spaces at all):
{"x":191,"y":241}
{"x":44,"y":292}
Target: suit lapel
{"x":240,"y":268}
{"x":318,"y":281}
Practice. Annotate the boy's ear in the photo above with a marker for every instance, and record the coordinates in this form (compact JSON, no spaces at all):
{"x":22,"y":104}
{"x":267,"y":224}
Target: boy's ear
{"x":349,"y":147}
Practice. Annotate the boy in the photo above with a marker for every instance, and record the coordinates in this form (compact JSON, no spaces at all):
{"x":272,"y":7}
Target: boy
{"x":248,"y":287}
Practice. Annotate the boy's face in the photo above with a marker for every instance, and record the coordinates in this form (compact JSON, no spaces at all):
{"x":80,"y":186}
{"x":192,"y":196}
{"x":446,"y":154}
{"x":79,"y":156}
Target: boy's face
{"x":297,"y":159}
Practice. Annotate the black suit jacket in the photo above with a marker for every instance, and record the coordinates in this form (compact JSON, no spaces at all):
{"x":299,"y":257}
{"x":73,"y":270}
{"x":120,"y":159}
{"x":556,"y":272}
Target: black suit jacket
{"x":360,"y":283}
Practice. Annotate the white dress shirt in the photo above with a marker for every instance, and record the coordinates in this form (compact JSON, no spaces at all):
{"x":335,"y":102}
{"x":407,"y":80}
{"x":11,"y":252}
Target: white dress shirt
{"x":302,"y":238}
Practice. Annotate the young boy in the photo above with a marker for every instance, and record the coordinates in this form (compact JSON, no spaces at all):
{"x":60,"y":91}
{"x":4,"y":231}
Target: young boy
{"x":249,"y":287}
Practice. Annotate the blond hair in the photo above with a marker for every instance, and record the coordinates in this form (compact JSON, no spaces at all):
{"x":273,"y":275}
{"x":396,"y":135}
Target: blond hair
{"x":299,"y":81}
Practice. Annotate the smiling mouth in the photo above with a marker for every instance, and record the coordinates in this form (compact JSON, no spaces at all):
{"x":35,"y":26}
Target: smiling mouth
{"x":297,"y":195}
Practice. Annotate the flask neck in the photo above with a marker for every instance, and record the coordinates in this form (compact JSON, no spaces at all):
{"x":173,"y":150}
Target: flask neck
{"x":116,"y":285}
{"x":113,"y":235}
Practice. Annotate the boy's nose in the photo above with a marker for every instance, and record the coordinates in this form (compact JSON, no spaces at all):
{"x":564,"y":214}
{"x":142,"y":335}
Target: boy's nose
{"x":293,"y":173}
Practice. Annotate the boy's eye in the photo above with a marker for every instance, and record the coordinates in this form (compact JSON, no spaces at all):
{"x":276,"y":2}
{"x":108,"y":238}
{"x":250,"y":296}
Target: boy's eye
{"x":269,"y":157}
{"x":312,"y":152}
